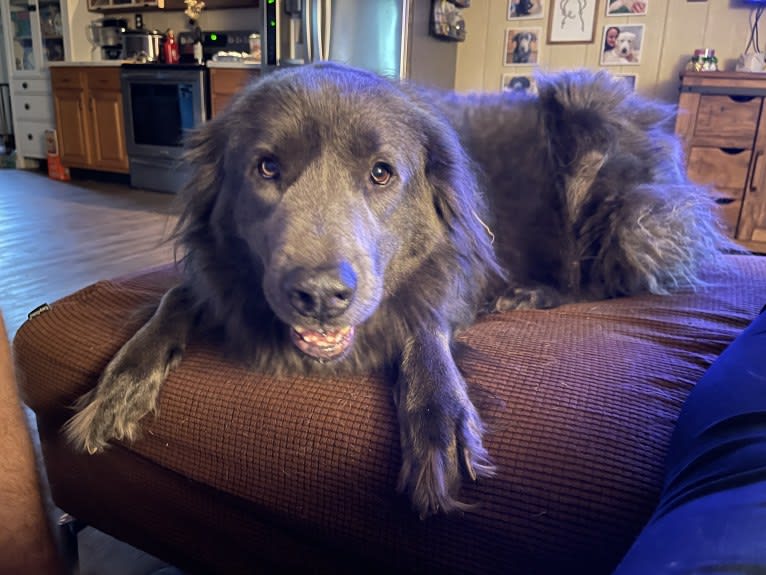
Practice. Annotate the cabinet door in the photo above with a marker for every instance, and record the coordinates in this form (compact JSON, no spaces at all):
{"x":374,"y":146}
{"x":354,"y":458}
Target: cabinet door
{"x":71,"y":122}
{"x":109,"y":151}
{"x":752,"y":224}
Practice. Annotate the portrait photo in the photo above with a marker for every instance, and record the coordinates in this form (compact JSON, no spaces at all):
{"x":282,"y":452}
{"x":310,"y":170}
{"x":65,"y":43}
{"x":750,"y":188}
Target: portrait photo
{"x":518,"y":84}
{"x":630,"y":79}
{"x":622,"y":45}
{"x":518,"y":9}
{"x":626,"y":7}
{"x":521,"y":46}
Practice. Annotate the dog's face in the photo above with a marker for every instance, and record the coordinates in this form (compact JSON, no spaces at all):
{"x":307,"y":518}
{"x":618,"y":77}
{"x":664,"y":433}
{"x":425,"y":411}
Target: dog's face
{"x":328,"y":175}
{"x":625,"y":42}
{"x":524,"y":41}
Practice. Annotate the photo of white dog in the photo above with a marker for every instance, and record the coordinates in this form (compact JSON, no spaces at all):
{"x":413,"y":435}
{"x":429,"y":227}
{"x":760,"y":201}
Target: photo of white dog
{"x":622,"y":45}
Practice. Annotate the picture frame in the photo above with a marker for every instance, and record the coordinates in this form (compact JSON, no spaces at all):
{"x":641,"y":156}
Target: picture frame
{"x":572,"y":21}
{"x":525,"y":9}
{"x":623,"y":48}
{"x":518,"y":83}
{"x":630,"y":79}
{"x":522,"y":46}
{"x":626,"y":7}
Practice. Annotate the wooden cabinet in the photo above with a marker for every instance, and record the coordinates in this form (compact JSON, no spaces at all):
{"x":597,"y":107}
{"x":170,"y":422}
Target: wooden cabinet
{"x":225,"y":83}
{"x":89,"y":120}
{"x":722,"y":124}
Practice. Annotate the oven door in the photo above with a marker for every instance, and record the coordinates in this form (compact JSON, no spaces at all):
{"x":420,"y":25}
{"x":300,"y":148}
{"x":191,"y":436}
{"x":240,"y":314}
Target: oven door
{"x":160,"y":106}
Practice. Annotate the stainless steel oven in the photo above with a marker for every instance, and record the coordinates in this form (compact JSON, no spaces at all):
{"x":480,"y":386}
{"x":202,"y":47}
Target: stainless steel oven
{"x":161,"y":103}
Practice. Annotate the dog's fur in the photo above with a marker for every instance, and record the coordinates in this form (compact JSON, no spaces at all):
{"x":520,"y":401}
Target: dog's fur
{"x":522,"y":49}
{"x":326,"y":198}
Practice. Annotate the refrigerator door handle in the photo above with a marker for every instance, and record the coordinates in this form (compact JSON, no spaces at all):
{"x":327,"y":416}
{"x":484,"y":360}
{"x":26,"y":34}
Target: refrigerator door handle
{"x":316,"y":30}
{"x":326,"y":38}
{"x":307,"y":29}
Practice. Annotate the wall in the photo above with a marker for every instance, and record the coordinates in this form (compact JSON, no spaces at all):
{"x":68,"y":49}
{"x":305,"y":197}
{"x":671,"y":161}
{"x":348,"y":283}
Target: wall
{"x":673,"y":29}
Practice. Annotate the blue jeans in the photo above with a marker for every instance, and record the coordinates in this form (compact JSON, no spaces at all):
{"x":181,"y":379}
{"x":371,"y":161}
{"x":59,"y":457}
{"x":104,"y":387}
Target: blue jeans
{"x":711,"y":518}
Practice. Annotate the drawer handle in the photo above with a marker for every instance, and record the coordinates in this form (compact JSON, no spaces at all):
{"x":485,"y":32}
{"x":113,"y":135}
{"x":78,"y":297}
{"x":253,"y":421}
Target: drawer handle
{"x":732,"y":151}
{"x":724,"y":201}
{"x":30,"y":137}
{"x":26,"y":106}
{"x":741,"y":98}
{"x":756,"y":176}
{"x":24,"y":85}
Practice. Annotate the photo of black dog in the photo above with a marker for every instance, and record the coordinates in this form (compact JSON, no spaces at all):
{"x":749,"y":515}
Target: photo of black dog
{"x":521,"y":46}
{"x":340,"y":222}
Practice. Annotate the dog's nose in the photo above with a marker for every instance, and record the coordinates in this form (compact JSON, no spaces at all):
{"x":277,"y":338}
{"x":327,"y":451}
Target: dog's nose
{"x":321,"y":293}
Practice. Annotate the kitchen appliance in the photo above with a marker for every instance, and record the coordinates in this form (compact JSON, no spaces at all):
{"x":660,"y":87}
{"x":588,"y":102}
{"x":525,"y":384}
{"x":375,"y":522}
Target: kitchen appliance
{"x":212,"y":42}
{"x":142,"y":45}
{"x":106,"y":35}
{"x":161,"y":103}
{"x":390,"y":37}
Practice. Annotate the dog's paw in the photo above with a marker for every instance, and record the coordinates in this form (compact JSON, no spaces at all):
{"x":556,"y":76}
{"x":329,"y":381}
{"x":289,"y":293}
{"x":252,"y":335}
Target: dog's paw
{"x":435,"y":449}
{"x":114,"y":409}
{"x":540,"y":297}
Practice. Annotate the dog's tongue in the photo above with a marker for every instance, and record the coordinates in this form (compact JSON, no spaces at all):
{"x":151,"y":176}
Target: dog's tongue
{"x":324,"y":345}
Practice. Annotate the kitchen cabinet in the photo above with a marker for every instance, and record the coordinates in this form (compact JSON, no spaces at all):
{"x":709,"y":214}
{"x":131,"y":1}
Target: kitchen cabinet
{"x":722,"y":124}
{"x":145,"y":5}
{"x":89,"y":117}
{"x":38,"y":32}
{"x":226,"y":82}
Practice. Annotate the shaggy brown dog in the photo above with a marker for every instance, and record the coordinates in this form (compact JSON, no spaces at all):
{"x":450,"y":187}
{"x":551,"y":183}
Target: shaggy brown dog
{"x":335,"y":224}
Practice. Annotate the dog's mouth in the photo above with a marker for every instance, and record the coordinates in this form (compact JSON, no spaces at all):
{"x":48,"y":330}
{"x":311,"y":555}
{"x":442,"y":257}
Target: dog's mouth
{"x":324,"y":345}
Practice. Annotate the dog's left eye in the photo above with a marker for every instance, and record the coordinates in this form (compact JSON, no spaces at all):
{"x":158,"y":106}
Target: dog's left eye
{"x":268,"y":168}
{"x":381,"y":173}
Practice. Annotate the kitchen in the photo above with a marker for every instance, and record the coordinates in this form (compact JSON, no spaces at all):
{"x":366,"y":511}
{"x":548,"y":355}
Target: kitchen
{"x":120,"y":96}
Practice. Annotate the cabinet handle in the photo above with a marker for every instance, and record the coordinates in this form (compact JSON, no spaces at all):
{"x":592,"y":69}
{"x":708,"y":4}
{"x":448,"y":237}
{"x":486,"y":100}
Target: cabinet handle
{"x":24,"y":85}
{"x":756,"y":176}
{"x":724,"y":201}
{"x":30,"y":137}
{"x":26,"y":106}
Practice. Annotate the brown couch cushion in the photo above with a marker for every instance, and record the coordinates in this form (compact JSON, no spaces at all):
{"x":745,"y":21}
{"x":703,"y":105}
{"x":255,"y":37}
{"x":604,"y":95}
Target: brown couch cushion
{"x":580,"y":402}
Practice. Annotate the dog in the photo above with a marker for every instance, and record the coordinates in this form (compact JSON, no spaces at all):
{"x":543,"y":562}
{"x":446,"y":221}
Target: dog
{"x":523,"y":7}
{"x":357,"y":223}
{"x":522,"y":47}
{"x":623,"y":51}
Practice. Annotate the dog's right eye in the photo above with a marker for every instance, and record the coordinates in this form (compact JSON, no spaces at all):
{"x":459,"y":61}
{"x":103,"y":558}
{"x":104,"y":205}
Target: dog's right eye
{"x":268,"y":168}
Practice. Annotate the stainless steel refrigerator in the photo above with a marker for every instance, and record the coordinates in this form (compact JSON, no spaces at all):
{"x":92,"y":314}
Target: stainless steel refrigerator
{"x":390,"y":37}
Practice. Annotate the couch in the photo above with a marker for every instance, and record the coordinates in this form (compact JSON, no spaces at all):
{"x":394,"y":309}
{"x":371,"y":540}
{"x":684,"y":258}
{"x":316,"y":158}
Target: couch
{"x":242,"y":472}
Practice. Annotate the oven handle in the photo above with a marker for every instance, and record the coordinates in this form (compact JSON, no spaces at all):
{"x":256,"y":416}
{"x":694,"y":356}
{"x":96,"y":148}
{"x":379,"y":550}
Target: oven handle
{"x":166,"y":75}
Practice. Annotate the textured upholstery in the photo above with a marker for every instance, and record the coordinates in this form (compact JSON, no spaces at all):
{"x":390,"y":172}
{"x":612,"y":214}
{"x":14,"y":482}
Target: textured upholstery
{"x":241,"y":472}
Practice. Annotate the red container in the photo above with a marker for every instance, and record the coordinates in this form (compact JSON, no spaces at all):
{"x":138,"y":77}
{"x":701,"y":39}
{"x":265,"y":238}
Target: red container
{"x":170,"y":53}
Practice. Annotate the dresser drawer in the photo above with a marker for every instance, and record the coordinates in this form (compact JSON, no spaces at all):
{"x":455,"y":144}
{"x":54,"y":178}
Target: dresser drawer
{"x":34,"y":107}
{"x":728,"y":206}
{"x":720,"y":167}
{"x":66,"y":77}
{"x":33,"y":86}
{"x":726,"y":121}
{"x":103,"y":79}
{"x":30,"y":139}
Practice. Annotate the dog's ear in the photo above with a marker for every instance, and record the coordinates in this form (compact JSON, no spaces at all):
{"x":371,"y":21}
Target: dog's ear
{"x":203,"y":154}
{"x":455,"y":193}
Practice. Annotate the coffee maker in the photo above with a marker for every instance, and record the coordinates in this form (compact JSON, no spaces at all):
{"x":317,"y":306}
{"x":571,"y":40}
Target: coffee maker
{"x":107,"y":36}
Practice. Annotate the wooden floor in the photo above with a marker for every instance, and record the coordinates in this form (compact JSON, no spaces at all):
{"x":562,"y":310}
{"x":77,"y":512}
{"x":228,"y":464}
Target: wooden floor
{"x":56,"y":237}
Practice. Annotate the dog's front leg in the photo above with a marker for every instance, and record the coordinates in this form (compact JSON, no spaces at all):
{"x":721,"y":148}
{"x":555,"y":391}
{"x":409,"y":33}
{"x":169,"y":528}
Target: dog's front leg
{"x":440,"y":429}
{"x":130,"y":385}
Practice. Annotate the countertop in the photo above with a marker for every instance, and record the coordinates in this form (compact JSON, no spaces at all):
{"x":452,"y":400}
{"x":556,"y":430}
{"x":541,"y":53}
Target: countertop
{"x":113,"y":63}
{"x":80,"y":63}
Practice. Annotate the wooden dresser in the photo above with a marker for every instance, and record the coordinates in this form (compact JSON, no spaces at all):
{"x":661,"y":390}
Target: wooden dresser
{"x":722,"y":123}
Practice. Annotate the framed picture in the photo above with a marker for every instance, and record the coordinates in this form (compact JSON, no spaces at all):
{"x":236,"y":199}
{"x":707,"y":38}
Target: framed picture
{"x":630,"y":79}
{"x":518,"y":83}
{"x":626,"y":7}
{"x":622,"y":45}
{"x":523,"y":9}
{"x":521,"y":46}
{"x":572,"y":21}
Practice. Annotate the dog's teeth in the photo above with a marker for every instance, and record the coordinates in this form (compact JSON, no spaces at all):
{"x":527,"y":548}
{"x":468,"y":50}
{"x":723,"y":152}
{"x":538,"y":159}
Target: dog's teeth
{"x":299,"y":330}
